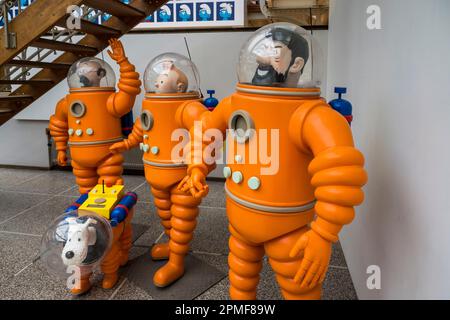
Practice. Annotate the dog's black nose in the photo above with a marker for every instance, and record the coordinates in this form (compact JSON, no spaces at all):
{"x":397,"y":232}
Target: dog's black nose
{"x":69,"y":254}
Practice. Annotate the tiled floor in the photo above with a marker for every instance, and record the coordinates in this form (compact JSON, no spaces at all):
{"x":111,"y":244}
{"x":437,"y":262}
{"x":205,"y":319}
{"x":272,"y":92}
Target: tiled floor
{"x":31,"y":199}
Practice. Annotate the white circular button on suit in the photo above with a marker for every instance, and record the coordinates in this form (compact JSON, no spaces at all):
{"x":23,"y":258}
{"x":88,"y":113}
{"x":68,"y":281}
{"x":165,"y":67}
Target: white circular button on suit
{"x":79,"y":132}
{"x":90,"y":131}
{"x":155,"y":150}
{"x":227,"y":172}
{"x":145,"y":148}
{"x":70,"y":132}
{"x":254,"y":183}
{"x":237,"y":177}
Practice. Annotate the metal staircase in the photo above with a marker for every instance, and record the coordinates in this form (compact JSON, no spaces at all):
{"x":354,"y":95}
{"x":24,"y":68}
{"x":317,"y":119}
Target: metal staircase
{"x":40,"y":43}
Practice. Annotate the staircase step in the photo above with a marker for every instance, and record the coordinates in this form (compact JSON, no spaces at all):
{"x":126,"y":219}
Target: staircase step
{"x":92,"y":28}
{"x":6,"y":110}
{"x":15,"y":98}
{"x":63,"y":46}
{"x":30,"y":82}
{"x":38,"y":64}
{"x":115,"y":8}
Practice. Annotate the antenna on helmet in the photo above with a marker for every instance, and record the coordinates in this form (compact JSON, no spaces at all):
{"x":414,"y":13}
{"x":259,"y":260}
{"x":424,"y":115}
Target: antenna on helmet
{"x":193,"y":71}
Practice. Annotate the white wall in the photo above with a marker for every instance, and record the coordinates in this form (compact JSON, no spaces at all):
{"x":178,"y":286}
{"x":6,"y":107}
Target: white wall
{"x":399,"y":84}
{"x":216,"y":55}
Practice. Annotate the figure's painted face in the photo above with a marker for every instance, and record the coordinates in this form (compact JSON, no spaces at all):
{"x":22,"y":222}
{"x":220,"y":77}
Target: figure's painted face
{"x":171,"y":81}
{"x":281,"y":59}
{"x":90,"y":74}
{"x":79,"y":237}
{"x":163,"y":84}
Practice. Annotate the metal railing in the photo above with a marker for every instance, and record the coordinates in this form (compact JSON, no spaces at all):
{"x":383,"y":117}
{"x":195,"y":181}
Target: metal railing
{"x":57,"y":34}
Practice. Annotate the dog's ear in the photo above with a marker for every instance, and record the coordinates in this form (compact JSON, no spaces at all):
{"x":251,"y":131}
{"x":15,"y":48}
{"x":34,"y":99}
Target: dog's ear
{"x":91,"y":221}
{"x":92,"y":236}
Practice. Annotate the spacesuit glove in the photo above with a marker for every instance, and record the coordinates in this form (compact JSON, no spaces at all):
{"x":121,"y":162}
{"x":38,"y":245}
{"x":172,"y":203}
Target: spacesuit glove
{"x":118,"y":52}
{"x":62,"y":158}
{"x":119,"y":147}
{"x":195,"y":183}
{"x":316,"y":258}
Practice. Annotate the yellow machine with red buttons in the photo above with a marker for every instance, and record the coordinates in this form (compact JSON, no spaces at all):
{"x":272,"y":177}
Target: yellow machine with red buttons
{"x":293,"y":174}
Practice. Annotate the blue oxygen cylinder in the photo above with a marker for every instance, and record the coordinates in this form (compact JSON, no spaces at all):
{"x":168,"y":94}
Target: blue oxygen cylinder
{"x":342,"y":106}
{"x":211,"y":102}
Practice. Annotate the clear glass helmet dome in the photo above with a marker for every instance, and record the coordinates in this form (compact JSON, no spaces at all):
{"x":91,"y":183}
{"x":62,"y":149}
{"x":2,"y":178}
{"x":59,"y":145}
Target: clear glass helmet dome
{"x":171,"y":73}
{"x":281,"y":55}
{"x":91,"y":72}
{"x":75,"y":242}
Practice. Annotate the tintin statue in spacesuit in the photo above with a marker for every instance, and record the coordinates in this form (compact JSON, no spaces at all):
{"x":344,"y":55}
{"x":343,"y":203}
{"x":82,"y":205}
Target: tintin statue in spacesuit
{"x":88,"y":120}
{"x":292,"y":207}
{"x":170,"y":81}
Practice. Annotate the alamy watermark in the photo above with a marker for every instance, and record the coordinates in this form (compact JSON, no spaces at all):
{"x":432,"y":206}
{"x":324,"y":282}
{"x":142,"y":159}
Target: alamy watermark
{"x":251,"y":146}
{"x":374,"y":280}
{"x":374,"y":19}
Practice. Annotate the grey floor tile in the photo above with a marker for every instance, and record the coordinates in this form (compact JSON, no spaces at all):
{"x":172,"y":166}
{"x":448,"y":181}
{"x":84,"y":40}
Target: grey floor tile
{"x":211,"y":234}
{"x":150,"y":236}
{"x":145,"y":214}
{"x":216,"y":195}
{"x":218,"y":261}
{"x":126,"y":290}
{"x":51,"y":182}
{"x":16,"y":252}
{"x":129,"y":291}
{"x":218,"y":292}
{"x":12,"y":177}
{"x":199,"y":276}
{"x":338,"y":285}
{"x":144,"y":193}
{"x":36,"y":220}
{"x":36,"y":284}
{"x":337,"y":256}
{"x":12,"y":203}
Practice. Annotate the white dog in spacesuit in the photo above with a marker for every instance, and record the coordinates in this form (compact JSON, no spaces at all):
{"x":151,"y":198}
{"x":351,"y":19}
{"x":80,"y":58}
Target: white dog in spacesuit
{"x":80,"y":236}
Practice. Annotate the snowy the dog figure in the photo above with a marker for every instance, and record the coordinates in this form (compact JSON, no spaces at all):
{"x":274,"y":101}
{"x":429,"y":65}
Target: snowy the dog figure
{"x":80,"y":236}
{"x":95,"y":231}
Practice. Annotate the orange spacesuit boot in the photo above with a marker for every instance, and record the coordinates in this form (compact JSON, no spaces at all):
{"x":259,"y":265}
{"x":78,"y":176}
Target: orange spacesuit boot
{"x":170,"y":81}
{"x":293,"y":174}
{"x":88,"y":120}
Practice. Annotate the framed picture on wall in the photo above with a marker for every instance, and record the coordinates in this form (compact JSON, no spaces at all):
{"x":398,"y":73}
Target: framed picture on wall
{"x":187,"y":14}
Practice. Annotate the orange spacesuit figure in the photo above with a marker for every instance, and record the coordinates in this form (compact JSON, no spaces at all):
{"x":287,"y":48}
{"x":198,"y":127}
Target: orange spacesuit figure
{"x":88,"y":120}
{"x":292,"y":207}
{"x":170,"y":80}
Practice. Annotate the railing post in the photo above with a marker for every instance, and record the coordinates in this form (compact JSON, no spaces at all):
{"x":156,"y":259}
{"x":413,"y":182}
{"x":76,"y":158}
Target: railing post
{"x":10,"y":37}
